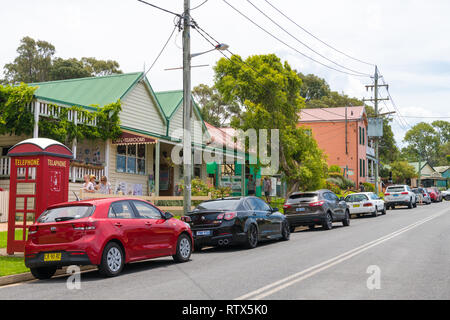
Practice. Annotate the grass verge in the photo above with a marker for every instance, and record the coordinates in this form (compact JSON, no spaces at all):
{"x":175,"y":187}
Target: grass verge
{"x":12,"y":265}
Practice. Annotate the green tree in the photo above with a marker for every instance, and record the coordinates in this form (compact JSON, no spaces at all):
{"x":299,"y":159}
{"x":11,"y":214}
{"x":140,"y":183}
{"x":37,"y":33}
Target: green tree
{"x":401,"y":171}
{"x":100,"y":67}
{"x":313,"y":87}
{"x":33,"y":63}
{"x":422,"y":140}
{"x":213,"y":108}
{"x":442,"y":128}
{"x":68,"y":69}
{"x":269,"y":92}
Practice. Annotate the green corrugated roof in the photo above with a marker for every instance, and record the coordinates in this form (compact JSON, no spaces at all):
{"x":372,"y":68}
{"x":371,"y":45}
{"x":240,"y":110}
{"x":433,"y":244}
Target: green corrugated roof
{"x":169,"y":101}
{"x":87,"y":91}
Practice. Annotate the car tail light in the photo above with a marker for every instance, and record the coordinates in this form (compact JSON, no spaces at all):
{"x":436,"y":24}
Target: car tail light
{"x":387,"y":194}
{"x":32,"y":230}
{"x":404,"y":192}
{"x":317,"y":204}
{"x":220,"y":216}
{"x":84,"y":226}
{"x":287,"y":206}
{"x":368,"y":204}
{"x":186,"y":219}
{"x":230,"y":215}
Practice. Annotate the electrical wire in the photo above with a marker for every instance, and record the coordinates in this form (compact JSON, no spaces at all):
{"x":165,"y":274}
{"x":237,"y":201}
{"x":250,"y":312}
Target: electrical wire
{"x":304,"y":44}
{"x":160,"y":52}
{"x":292,"y":48}
{"x":199,"y":5}
{"x":315,"y":37}
{"x":162,"y":9}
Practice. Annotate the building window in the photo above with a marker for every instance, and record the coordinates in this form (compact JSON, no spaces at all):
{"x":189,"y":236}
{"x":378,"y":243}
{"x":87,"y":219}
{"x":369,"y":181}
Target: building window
{"x":131,"y":159}
{"x":363,"y":136}
{"x":359,"y":135}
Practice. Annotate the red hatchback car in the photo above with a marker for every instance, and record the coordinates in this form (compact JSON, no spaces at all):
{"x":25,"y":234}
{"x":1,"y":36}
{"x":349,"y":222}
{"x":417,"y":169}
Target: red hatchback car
{"x":104,"y":232}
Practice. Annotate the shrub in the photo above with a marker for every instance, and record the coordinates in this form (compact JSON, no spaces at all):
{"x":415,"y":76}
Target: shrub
{"x":335,"y":169}
{"x":333,"y":187}
{"x":369,"y":187}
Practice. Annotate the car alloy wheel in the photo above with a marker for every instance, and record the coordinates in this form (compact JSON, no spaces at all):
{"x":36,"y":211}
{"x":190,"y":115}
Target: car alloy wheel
{"x":184,"y":248}
{"x":285,"y":232}
{"x":328,"y":224}
{"x":114,"y":259}
{"x":252,"y":237}
{"x":346,"y":221}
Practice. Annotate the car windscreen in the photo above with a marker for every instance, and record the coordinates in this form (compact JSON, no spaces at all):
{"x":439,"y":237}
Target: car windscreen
{"x":303,"y":195}
{"x":219,"y":205}
{"x":395,"y":189}
{"x":356,"y":198}
{"x":65,"y":213}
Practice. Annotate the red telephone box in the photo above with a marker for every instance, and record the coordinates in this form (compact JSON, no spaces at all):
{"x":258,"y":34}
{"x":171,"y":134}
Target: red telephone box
{"x":39,"y":178}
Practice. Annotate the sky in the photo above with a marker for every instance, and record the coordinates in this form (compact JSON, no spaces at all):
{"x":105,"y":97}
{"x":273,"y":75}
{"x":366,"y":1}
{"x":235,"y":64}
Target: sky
{"x":407,"y":39}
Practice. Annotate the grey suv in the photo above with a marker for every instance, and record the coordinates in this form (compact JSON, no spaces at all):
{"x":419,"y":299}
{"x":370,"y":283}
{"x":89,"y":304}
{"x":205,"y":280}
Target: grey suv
{"x":321,"y":207}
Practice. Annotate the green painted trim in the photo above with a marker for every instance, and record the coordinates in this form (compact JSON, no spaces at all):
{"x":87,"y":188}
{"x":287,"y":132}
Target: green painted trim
{"x":91,"y":108}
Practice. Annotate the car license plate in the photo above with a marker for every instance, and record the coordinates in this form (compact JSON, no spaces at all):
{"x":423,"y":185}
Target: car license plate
{"x":204,"y":233}
{"x":356,"y":206}
{"x":52,"y":256}
{"x":300,"y":209}
{"x":396,"y":195}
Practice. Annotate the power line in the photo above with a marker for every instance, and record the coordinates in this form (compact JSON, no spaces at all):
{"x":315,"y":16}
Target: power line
{"x":199,"y":5}
{"x":312,"y":35}
{"x":289,"y":46}
{"x":160,"y":52}
{"x":304,"y":44}
{"x":162,"y":9}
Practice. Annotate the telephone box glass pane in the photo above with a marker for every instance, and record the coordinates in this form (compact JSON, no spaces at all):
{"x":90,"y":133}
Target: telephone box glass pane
{"x":20,"y":203}
{"x":26,"y":188}
{"x":30,"y":204}
{"x":32,"y":173}
{"x":18,"y":234}
{"x":19,"y":216}
{"x":30,"y":217}
{"x":21,"y":173}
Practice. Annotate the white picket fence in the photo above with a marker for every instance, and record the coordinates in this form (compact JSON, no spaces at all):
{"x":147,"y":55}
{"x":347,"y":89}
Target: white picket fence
{"x":4,"y":203}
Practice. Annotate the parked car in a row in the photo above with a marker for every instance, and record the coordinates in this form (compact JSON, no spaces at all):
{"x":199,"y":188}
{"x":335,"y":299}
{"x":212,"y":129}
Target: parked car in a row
{"x":422,"y":196}
{"x":400,"y":195}
{"x":446,"y":194}
{"x":243,"y":220}
{"x":365,"y":203}
{"x":321,"y":207}
{"x":105,"y":232}
{"x":435,"y":194}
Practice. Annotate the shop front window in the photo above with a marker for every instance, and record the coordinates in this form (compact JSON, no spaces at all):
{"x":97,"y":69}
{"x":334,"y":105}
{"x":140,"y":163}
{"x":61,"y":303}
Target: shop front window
{"x":131,"y":159}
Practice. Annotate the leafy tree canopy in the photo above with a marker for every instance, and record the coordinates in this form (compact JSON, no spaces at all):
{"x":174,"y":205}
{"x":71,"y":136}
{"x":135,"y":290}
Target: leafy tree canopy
{"x":269,"y":92}
{"x":401,"y":171}
{"x":36,"y":63}
{"x":213,"y":108}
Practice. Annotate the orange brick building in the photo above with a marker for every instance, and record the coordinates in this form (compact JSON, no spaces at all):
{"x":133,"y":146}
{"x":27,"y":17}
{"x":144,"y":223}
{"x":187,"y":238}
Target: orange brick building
{"x":342,"y":134}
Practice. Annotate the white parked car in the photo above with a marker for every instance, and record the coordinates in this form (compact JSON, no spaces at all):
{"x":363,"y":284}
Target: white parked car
{"x":446,"y":195}
{"x":400,"y":195}
{"x":365,"y":203}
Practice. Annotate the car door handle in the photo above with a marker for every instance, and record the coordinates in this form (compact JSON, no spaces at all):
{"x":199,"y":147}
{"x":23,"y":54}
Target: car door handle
{"x":118,"y":224}
{"x":148,"y":223}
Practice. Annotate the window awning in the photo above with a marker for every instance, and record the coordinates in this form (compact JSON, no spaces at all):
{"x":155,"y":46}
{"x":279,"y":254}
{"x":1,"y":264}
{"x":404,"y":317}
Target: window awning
{"x":130,"y":138}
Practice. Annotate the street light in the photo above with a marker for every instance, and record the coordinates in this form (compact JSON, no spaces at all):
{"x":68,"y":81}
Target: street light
{"x":220,"y":46}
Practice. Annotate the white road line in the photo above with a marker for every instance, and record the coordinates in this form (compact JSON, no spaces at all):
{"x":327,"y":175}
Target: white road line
{"x":299,"y":276}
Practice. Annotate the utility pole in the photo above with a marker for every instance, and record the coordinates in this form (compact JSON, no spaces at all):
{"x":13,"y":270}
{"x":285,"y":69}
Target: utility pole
{"x":346,"y":141}
{"x":187,"y":143}
{"x":375,"y":100}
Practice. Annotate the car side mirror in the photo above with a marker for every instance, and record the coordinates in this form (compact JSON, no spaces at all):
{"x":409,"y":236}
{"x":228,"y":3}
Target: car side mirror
{"x":275,"y":210}
{"x":168,"y":215}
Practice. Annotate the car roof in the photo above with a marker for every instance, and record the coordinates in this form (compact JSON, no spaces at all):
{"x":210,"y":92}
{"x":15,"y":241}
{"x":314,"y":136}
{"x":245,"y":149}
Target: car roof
{"x":94,"y":202}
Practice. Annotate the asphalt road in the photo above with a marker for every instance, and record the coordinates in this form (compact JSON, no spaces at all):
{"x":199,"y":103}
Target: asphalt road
{"x":407,"y":254}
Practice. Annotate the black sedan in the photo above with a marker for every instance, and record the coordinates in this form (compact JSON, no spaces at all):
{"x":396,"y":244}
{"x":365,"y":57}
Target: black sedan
{"x":245,"y":221}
